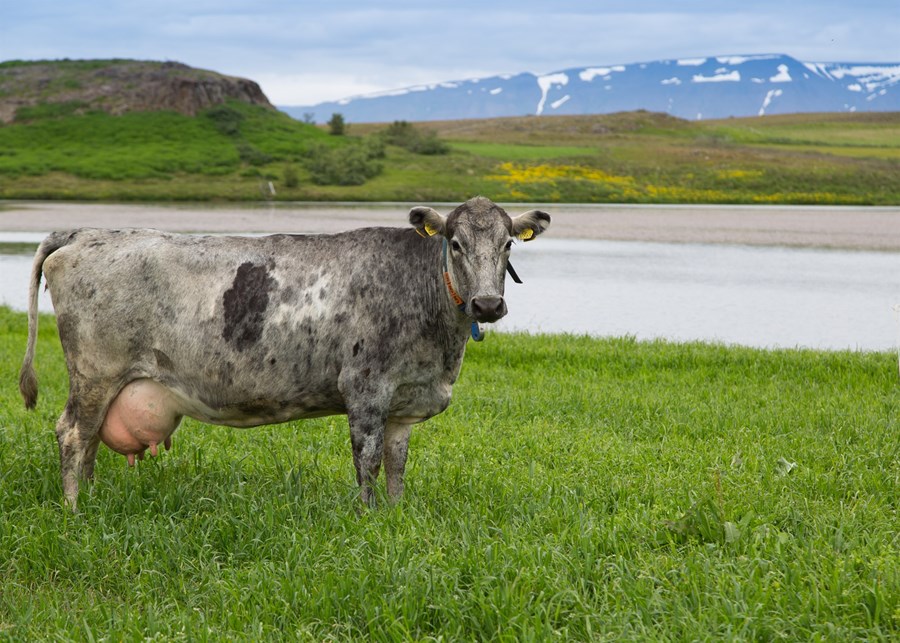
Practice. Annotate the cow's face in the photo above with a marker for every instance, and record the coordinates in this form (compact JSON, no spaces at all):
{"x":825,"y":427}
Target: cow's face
{"x":479,"y":235}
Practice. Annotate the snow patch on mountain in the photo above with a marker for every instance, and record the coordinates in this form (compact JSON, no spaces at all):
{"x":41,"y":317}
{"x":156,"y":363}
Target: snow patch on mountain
{"x":773,"y":93}
{"x":557,"y":103}
{"x":783,"y":75}
{"x":740,"y":60}
{"x":546,"y":83}
{"x":732,"y":76}
{"x":589,"y":74}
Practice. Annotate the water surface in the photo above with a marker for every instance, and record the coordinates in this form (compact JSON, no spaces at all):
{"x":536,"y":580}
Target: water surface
{"x":754,"y":296}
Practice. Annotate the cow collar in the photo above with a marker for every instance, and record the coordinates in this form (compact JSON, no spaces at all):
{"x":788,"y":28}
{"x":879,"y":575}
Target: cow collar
{"x":477,"y":333}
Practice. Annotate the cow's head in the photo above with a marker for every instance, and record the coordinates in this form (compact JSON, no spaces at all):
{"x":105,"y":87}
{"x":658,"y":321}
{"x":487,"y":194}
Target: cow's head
{"x":479,"y":235}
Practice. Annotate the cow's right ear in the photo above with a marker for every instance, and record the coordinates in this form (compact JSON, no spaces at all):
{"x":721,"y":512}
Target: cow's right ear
{"x":427,"y":221}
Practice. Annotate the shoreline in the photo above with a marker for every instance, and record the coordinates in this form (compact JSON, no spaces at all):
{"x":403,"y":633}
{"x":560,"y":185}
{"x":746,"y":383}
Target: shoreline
{"x":845,"y":227}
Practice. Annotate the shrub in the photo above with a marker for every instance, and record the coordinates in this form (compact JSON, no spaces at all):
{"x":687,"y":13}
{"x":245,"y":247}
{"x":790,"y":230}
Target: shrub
{"x":346,"y":165}
{"x":290,"y":177}
{"x":251,"y":155}
{"x":336,"y":125}
{"x":404,"y":134}
{"x":226,"y":119}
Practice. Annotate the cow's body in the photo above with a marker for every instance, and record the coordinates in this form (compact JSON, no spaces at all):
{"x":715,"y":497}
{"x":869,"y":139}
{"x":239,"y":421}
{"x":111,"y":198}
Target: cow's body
{"x":247,"y":331}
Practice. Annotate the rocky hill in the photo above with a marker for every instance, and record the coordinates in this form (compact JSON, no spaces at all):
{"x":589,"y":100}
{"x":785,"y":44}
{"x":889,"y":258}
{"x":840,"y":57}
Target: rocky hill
{"x":119,"y":86}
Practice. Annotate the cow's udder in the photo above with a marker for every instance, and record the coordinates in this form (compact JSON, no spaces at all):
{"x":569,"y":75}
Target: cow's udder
{"x":143,"y":416}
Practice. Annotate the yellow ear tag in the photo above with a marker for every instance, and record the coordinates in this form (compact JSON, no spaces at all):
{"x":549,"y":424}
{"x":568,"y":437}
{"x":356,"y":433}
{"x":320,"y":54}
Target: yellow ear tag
{"x":431,"y":230}
{"x":526,"y":234}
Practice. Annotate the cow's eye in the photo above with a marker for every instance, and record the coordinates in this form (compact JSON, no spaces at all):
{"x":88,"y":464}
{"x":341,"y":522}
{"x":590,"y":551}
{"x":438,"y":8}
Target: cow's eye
{"x":455,"y":245}
{"x":509,"y":245}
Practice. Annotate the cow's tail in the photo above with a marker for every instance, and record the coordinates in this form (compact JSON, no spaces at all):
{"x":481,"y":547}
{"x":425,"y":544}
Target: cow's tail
{"x":28,"y":384}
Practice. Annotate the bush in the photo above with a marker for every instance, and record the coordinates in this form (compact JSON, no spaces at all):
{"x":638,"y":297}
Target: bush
{"x":346,"y":165}
{"x":290,"y":177}
{"x":251,"y":155}
{"x":404,"y":134}
{"x":226,"y":119}
{"x":429,"y":143}
{"x":336,"y":125}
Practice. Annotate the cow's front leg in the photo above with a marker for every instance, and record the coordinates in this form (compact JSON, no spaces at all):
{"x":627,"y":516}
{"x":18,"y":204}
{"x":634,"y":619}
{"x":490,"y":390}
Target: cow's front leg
{"x":396,"y":446}
{"x":367,"y":439}
{"x":368,"y":397}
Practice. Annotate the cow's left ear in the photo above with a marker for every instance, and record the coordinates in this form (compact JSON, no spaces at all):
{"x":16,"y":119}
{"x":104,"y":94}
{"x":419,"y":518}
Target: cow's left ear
{"x":427,"y":221}
{"x":529,"y":225}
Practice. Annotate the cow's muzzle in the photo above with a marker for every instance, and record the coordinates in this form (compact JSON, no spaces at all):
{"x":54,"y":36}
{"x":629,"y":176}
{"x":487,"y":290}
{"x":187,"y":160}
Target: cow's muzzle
{"x":488,"y":309}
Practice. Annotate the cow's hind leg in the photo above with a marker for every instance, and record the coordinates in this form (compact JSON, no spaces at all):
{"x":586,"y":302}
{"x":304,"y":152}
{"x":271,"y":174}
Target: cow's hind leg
{"x":90,"y":459}
{"x":77,"y":434}
{"x":396,"y":446}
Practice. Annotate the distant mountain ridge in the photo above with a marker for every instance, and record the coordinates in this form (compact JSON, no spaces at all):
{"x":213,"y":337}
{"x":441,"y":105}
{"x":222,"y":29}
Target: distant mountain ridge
{"x":118,"y":86}
{"x":691,"y":88}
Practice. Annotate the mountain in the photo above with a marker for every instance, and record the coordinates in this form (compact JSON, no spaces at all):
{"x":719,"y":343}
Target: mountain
{"x":692,"y":88}
{"x":118,"y":86}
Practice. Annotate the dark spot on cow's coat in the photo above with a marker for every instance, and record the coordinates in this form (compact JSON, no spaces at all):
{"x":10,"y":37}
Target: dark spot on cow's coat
{"x":163,"y":361}
{"x":322,"y":293}
{"x":356,"y":348}
{"x":288,"y":295}
{"x":272,"y":361}
{"x":245,"y":305}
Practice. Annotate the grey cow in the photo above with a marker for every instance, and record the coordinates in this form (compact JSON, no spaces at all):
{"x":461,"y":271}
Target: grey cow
{"x":239,"y":331}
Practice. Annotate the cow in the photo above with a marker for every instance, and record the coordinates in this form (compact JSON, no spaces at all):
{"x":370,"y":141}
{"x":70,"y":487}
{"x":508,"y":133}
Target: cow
{"x":245,"y":331}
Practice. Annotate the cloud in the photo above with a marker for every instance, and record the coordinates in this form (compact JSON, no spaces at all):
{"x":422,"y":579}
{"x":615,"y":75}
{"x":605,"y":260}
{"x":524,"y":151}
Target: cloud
{"x":306,"y":52}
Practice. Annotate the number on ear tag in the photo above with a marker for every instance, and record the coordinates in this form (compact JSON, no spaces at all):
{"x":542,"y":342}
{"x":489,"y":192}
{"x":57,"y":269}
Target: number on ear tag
{"x":431,"y":230}
{"x":526,"y":234}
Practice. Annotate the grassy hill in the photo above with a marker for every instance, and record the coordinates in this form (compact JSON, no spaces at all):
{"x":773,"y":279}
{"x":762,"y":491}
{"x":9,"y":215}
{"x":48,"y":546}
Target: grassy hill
{"x":62,"y":146}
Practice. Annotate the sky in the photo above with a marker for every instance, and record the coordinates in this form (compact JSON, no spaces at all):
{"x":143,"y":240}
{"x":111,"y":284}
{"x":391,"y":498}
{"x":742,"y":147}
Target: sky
{"x":302,"y":52}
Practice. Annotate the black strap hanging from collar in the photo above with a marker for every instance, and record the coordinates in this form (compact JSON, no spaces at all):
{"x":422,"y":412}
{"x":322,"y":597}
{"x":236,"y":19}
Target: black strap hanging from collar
{"x":512,"y":273}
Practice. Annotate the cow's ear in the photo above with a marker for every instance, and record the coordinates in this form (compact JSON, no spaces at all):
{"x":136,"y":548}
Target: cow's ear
{"x":427,"y":221}
{"x":529,"y":225}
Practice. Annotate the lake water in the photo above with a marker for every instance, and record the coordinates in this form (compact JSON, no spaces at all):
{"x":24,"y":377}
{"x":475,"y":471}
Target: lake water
{"x":755,"y":296}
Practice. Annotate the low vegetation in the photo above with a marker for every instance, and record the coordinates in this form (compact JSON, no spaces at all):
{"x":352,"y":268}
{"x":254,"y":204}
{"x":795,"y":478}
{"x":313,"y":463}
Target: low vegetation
{"x":577,"y":488}
{"x":63,"y":151}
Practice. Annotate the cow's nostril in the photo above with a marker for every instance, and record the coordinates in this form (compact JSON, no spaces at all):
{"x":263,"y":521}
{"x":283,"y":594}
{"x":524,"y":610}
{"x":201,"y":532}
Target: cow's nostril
{"x":488,"y":309}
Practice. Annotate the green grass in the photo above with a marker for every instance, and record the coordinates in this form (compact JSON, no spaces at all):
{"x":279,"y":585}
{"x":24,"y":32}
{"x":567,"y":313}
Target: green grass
{"x":576,"y":488}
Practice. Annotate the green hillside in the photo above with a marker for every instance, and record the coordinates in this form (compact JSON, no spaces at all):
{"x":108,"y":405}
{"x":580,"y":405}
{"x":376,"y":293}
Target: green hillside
{"x":74,"y":146}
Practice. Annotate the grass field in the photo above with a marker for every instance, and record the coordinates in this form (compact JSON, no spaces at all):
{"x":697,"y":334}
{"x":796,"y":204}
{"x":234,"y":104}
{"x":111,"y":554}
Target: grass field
{"x":577,"y":488}
{"x":232,"y":153}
